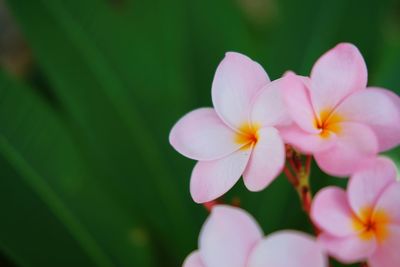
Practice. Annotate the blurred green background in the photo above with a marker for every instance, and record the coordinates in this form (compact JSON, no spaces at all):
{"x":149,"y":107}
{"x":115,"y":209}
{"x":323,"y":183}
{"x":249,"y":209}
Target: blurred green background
{"x":89,"y":90}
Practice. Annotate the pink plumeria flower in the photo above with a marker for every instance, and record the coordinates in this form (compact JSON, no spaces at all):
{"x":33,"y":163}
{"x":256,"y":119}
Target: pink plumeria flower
{"x":232,"y":238}
{"x":337,"y":119}
{"x":362,"y":224}
{"x":238,"y":136}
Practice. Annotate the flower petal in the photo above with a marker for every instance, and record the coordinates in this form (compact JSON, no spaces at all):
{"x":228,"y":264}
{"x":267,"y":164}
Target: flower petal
{"x":212,"y":179}
{"x":266,"y":161}
{"x":338,"y":73}
{"x":387,"y":253}
{"x":305,"y":79}
{"x":193,"y":260}
{"x":228,"y":237}
{"x":392,"y":134}
{"x":367,"y":184}
{"x":378,"y":108}
{"x":331,"y":212}
{"x":306,"y":143}
{"x":355,"y":143}
{"x":273,"y":251}
{"x":348,"y":249}
{"x":389,"y":202}
{"x":201,"y":135}
{"x":237,"y":80}
{"x":269,"y":109}
{"x":297,"y":99}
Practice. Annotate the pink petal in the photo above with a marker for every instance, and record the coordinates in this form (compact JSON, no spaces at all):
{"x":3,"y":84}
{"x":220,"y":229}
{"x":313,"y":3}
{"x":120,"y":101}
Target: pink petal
{"x":297,"y":100}
{"x":367,"y":184}
{"x":269,"y":108}
{"x":348,"y":249}
{"x":355,"y":144}
{"x":389,"y":202}
{"x":387,"y":253}
{"x":201,"y":135}
{"x":228,"y":236}
{"x":287,"y":249}
{"x":391,"y":134}
{"x":306,"y":80}
{"x":267,"y":160}
{"x":331,"y":212}
{"x":212,"y":179}
{"x":193,"y":260}
{"x":305,"y":142}
{"x":237,"y":80}
{"x":338,"y":73}
{"x":378,"y":108}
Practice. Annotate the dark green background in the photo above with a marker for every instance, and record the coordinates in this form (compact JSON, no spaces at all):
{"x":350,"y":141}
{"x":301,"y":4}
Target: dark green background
{"x":87,"y":175}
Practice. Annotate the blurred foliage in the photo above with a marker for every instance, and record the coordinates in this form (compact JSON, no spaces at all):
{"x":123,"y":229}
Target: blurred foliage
{"x":87,"y":175}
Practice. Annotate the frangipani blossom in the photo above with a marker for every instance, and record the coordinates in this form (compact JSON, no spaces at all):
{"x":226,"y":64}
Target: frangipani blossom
{"x":238,"y":137}
{"x":337,"y":119}
{"x":364,"y":222}
{"x":232,"y":238}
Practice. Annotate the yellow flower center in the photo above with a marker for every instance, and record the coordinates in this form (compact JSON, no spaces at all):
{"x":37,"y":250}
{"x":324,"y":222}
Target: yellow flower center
{"x":328,"y":122}
{"x":247,"y":135}
{"x":371,"y":224}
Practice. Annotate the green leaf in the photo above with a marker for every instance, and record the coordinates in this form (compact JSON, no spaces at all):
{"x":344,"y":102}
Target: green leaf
{"x":99,"y":105}
{"x":39,"y":156}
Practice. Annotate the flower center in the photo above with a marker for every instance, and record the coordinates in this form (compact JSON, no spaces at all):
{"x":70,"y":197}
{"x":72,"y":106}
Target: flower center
{"x":327,"y":123}
{"x":247,"y":135}
{"x":372,"y":224}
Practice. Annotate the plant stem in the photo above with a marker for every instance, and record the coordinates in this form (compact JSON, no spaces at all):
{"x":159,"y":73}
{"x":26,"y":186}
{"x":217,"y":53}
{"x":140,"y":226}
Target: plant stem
{"x":300,"y":179}
{"x":298,"y":174}
{"x":308,"y":164}
{"x":293,"y":165}
{"x":209,"y":205}
{"x":292,"y":178}
{"x":303,"y":189}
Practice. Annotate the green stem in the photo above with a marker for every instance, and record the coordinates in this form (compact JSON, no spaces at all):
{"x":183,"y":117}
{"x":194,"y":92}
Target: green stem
{"x":298,"y":174}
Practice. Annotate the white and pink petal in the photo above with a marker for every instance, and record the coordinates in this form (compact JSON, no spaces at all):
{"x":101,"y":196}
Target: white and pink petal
{"x":237,"y":81}
{"x":212,"y":179}
{"x":338,"y":73}
{"x":368,"y":183}
{"x":349,"y":249}
{"x":269,"y":108}
{"x":389,"y":203}
{"x":266,"y":161}
{"x":227,"y":237}
{"x":193,"y":260}
{"x":305,"y":142}
{"x":379,"y":109}
{"x":387,"y":252}
{"x":331,"y":212}
{"x":287,"y":249}
{"x":297,"y":99}
{"x":355,"y":144}
{"x":202,"y":135}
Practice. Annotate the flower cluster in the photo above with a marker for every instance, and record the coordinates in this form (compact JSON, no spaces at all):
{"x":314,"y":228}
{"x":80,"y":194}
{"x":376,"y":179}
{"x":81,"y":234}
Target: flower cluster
{"x":231,"y":237}
{"x":364,"y":222}
{"x":256,"y":123}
